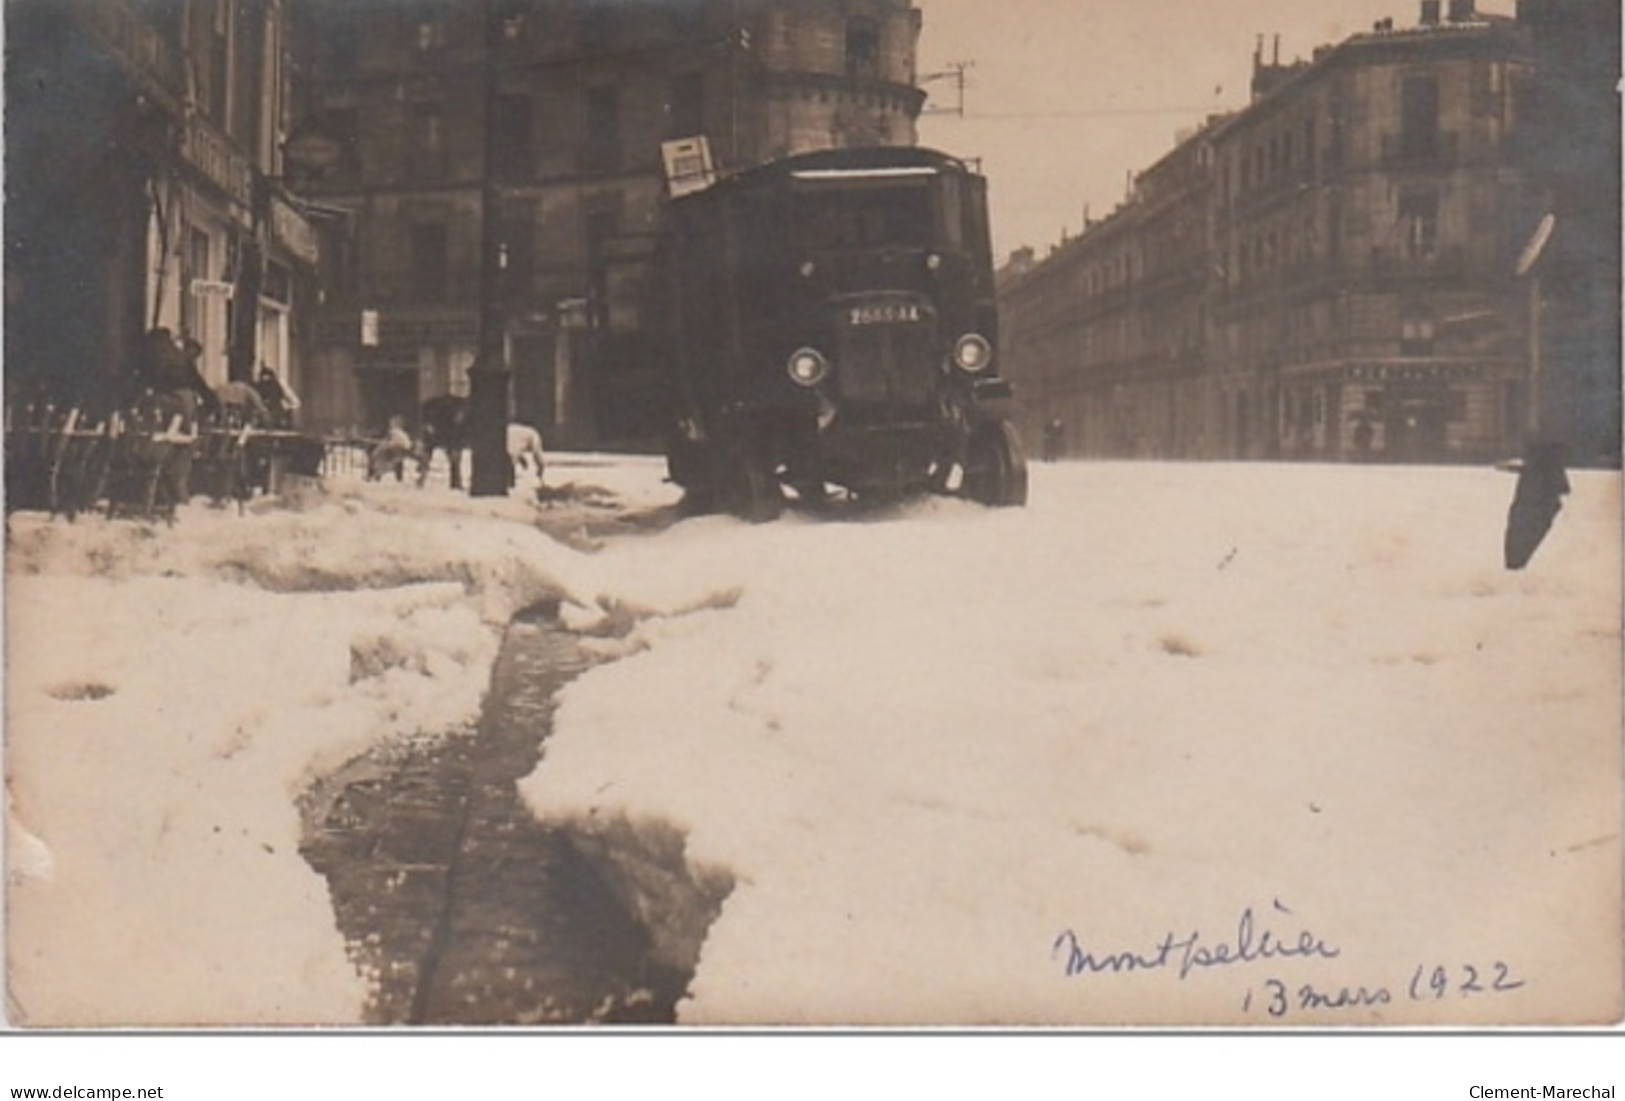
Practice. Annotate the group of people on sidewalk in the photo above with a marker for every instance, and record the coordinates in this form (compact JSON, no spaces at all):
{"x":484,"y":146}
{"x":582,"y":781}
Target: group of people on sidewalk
{"x":167,"y":375}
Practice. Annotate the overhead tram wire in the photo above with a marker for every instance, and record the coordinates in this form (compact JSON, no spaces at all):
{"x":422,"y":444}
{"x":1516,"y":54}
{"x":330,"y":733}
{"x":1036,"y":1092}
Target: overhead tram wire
{"x":1117,"y":112}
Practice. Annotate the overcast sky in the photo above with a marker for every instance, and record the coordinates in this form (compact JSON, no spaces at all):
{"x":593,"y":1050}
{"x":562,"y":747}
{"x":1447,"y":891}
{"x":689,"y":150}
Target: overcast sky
{"x":1069,"y":96}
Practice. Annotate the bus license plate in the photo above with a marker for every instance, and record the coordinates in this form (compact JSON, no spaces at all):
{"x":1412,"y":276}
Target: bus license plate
{"x":889,"y":314}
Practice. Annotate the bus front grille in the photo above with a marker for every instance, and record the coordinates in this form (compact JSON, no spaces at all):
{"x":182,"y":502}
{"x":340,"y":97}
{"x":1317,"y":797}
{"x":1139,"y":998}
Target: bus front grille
{"x":887,"y":363}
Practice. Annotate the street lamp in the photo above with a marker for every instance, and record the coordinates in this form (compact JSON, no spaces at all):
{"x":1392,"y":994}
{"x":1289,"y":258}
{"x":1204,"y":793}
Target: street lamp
{"x":1527,"y":261}
{"x":488,"y":377}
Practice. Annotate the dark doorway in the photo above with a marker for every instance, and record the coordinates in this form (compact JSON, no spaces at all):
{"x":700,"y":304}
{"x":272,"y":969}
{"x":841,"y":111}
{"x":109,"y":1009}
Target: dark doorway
{"x":1415,"y":424}
{"x":388,"y":392}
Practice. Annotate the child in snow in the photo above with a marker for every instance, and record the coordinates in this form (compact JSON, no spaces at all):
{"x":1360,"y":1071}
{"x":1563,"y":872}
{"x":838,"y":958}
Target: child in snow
{"x":391,"y":452}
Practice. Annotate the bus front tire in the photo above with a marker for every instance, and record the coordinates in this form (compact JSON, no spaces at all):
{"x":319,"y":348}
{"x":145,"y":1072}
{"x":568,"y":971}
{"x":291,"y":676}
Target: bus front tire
{"x":995,"y":468}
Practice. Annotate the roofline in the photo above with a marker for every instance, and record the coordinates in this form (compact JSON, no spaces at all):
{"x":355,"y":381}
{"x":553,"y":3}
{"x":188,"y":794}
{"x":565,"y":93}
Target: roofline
{"x":1326,"y":59}
{"x":867,"y":158}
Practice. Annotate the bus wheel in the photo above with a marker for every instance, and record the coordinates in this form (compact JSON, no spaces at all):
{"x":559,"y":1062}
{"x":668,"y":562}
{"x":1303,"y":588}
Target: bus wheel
{"x":995,"y":469}
{"x":753,"y":491}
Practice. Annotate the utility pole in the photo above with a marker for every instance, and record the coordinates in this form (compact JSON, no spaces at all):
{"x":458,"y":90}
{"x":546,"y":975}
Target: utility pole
{"x":488,"y":378}
{"x":956,"y":73}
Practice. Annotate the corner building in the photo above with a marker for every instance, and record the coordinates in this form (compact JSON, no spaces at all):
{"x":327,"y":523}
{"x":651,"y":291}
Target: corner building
{"x":587,"y":92}
{"x":144,"y":188}
{"x":1329,"y":273}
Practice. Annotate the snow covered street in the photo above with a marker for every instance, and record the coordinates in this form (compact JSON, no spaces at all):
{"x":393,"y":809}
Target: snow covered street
{"x":1176,"y":743}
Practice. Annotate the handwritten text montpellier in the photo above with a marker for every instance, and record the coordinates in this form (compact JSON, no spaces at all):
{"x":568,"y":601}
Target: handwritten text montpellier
{"x":1253,"y":941}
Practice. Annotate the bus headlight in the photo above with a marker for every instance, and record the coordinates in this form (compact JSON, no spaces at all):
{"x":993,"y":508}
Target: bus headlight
{"x":973,"y":353}
{"x":807,"y":367}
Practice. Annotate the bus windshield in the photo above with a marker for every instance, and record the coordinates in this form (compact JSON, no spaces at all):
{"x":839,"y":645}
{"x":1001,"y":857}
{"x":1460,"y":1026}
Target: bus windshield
{"x":860,"y":212}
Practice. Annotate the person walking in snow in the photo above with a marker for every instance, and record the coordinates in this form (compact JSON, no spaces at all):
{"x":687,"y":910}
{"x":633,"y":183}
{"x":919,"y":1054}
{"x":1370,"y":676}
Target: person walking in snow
{"x":1542,"y":483}
{"x":391,"y":452}
{"x":1054,"y":439}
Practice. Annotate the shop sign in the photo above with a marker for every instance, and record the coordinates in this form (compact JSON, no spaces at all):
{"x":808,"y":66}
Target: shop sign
{"x":1413,"y":372}
{"x":292,"y":230}
{"x":222,"y":164}
{"x":430,"y":330}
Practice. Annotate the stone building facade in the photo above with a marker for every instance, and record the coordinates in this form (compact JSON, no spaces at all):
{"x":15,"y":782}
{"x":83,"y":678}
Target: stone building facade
{"x":1329,"y":273}
{"x":144,"y":166}
{"x":586,"y":93}
{"x":1573,"y":150}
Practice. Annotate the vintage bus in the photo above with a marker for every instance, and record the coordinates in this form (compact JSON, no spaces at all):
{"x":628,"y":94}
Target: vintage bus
{"x":826,"y":323}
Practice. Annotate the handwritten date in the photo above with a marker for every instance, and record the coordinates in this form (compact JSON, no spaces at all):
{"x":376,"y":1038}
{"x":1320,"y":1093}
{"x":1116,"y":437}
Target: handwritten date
{"x":1427,"y":983}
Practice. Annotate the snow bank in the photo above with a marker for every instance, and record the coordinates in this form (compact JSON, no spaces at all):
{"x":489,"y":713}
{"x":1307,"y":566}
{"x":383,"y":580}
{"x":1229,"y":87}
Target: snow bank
{"x":925,"y":748}
{"x":171,"y":690}
{"x":931,"y":748}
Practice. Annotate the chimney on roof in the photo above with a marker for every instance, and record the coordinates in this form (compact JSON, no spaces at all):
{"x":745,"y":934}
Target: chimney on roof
{"x":1430,"y":13}
{"x":1461,"y":11}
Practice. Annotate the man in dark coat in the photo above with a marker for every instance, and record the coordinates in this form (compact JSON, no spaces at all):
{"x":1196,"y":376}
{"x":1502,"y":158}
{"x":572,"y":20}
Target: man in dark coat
{"x":1542,"y":482}
{"x":445,"y":426}
{"x":1054,"y":440}
{"x":280,"y":401}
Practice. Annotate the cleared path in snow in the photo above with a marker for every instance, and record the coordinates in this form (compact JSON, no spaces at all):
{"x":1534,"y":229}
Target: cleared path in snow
{"x":462,"y":907}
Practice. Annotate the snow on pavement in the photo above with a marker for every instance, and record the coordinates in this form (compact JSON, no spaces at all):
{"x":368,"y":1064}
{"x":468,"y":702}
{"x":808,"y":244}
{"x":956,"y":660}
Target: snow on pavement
{"x":172,"y":691}
{"x":1160,"y":697}
{"x":926,"y":745}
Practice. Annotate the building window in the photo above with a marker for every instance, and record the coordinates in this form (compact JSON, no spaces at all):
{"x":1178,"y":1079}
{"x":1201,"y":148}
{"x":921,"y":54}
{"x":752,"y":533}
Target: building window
{"x":603,"y":144}
{"x":862,"y":48}
{"x":515,"y":16}
{"x":512,"y":151}
{"x":687,"y":106}
{"x":518,"y":247}
{"x":194,"y":305}
{"x":429,"y":258}
{"x":248,"y":82}
{"x":602,"y":226}
{"x":430,"y":34}
{"x":1419,"y":223}
{"x":1334,"y":125}
{"x":1416,"y":331}
{"x":1419,"y":116}
{"x":428,"y":148}
{"x":209,"y":35}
